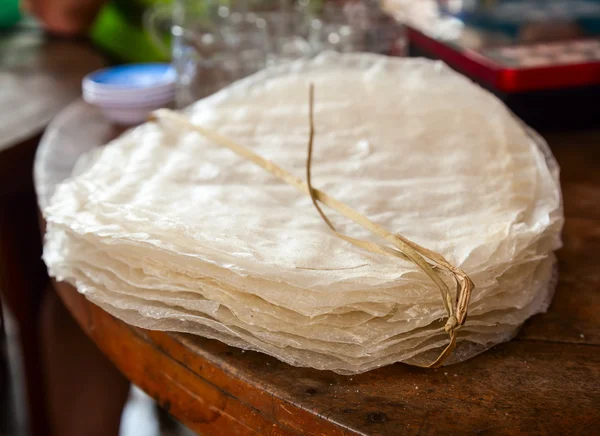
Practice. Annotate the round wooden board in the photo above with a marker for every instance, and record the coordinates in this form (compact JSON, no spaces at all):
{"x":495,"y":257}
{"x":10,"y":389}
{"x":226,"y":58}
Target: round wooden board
{"x":39,"y":76}
{"x":543,"y":382}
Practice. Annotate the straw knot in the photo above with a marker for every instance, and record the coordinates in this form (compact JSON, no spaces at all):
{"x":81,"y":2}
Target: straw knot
{"x":431,"y":263}
{"x":452,"y":324}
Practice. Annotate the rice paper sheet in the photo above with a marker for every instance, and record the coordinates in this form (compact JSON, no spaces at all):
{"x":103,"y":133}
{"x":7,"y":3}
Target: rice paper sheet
{"x":169,"y":231}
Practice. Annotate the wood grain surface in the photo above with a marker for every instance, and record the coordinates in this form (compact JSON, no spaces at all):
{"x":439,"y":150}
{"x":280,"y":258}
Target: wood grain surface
{"x":546,"y":381}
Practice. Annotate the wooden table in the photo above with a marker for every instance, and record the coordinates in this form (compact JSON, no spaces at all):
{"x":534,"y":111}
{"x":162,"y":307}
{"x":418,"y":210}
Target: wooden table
{"x":39,"y":76}
{"x":547,"y":381}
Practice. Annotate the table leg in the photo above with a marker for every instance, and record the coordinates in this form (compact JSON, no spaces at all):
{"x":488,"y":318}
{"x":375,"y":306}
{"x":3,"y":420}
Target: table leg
{"x":23,"y":278}
{"x":5,"y":388}
{"x":86,"y":393}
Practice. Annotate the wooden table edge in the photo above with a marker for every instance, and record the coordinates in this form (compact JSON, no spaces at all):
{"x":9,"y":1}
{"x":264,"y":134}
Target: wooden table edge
{"x":89,"y":316}
{"x":224,"y":406}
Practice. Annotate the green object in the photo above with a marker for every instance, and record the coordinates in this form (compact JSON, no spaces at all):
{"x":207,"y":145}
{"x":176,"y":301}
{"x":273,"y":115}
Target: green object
{"x":10,"y":13}
{"x":119,"y":30}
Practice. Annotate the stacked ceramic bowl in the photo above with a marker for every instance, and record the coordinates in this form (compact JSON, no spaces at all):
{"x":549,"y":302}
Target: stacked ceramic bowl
{"x":127,"y":93}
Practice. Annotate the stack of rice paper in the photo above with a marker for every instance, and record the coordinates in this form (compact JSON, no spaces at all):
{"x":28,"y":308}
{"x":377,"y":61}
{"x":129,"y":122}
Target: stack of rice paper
{"x":168,"y":230}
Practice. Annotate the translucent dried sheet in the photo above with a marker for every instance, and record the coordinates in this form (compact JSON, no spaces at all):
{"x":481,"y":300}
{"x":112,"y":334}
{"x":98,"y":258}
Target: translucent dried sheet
{"x":130,"y":270}
{"x":366,"y":335}
{"x":169,"y":231}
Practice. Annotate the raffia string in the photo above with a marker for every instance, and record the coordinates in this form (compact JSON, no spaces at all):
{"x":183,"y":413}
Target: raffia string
{"x":430,"y":262}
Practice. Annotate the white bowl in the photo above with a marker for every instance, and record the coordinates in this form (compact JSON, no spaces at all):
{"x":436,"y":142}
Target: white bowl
{"x":127,"y":93}
{"x":95,"y":98}
{"x":132,"y":77}
{"x":128,"y":116}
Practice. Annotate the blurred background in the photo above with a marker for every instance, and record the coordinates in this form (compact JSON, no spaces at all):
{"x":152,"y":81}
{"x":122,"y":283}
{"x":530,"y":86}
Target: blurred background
{"x":539,"y":56}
